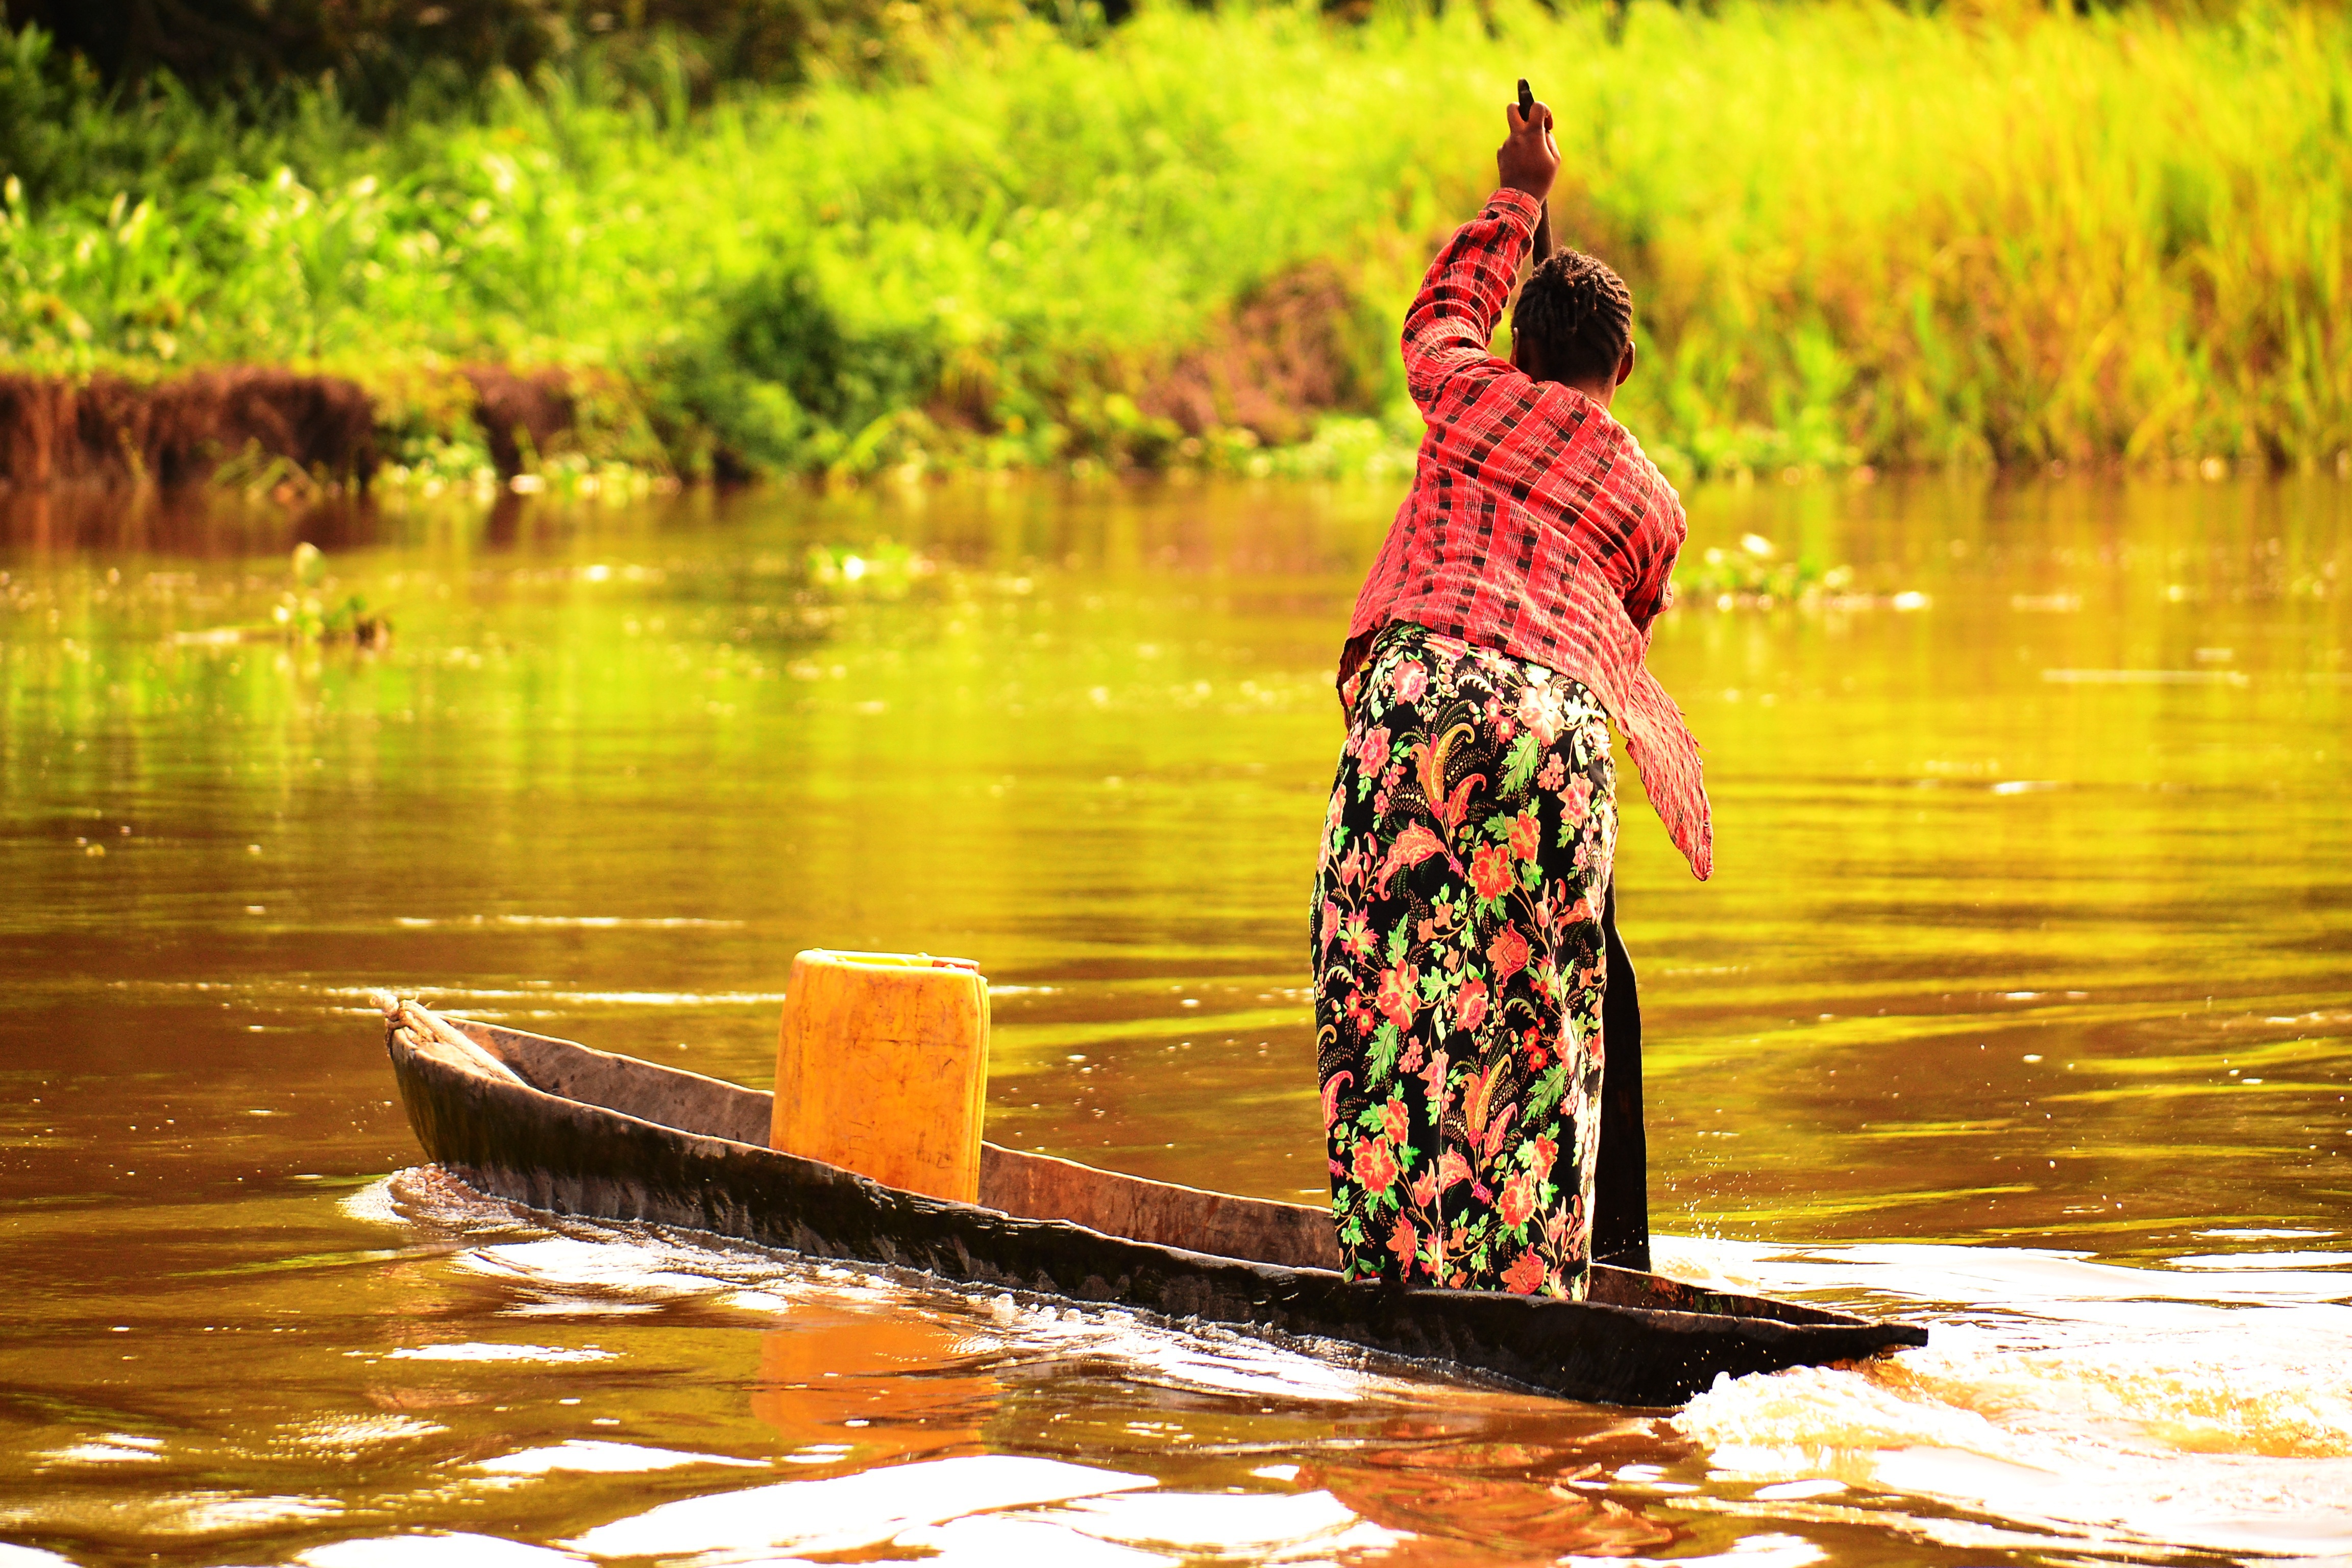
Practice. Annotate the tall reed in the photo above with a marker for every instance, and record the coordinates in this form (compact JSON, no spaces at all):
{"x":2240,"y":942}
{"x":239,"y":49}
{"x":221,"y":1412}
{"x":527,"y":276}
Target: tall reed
{"x":1855,"y":233}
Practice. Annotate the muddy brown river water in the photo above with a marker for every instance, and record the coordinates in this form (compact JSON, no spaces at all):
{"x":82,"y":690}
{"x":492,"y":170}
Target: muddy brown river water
{"x":2019,"y":1005}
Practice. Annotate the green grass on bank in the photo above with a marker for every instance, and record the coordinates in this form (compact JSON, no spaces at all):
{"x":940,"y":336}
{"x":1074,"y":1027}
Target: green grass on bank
{"x":1855,"y":233}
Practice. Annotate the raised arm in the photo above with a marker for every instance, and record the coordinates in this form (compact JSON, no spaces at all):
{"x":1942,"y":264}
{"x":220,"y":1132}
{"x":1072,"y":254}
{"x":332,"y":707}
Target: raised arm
{"x":1451,"y":321}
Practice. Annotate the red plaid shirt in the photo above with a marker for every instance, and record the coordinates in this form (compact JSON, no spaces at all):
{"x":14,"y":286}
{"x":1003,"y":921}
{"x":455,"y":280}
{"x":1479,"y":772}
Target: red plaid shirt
{"x":1536,"y":526}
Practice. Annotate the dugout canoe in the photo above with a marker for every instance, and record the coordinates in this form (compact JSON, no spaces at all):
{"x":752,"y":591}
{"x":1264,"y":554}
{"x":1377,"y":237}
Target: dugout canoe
{"x":569,"y":1129}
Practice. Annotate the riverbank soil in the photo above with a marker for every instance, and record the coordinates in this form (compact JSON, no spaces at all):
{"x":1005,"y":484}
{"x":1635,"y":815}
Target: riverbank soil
{"x":109,"y":430}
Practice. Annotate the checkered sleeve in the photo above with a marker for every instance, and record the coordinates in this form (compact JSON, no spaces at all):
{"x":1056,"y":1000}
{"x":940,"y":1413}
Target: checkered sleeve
{"x":1451,"y":322}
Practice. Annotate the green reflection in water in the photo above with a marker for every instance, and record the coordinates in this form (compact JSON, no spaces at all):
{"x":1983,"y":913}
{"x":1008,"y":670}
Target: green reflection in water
{"x":2028,"y":927}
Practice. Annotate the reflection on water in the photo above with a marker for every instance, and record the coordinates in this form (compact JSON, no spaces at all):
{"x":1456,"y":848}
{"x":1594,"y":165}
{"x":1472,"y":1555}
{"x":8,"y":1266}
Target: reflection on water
{"x":2018,"y":1004}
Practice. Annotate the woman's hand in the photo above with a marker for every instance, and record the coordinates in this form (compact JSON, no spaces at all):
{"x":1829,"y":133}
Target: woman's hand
{"x":1527,"y":159}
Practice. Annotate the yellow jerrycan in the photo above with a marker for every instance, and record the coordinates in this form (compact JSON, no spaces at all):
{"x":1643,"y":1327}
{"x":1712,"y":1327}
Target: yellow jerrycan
{"x":882,"y":1069}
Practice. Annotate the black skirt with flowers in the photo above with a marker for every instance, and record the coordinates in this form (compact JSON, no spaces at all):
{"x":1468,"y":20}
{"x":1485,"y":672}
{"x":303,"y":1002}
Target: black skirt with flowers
{"x":1459,"y":967}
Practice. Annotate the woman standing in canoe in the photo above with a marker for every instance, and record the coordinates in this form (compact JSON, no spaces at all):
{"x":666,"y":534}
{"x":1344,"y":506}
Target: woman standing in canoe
{"x":1466,"y":857}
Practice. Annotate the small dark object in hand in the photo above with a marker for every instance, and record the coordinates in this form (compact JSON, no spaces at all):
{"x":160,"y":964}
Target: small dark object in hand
{"x":1543,"y":224}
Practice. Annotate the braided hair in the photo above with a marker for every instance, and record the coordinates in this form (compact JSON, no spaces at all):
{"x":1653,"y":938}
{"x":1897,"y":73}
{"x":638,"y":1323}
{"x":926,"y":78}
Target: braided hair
{"x":1577,"y":314}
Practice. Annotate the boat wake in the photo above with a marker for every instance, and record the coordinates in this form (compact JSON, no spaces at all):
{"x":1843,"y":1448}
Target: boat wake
{"x":2124,"y":1408}
{"x":582,"y":1269}
{"x":2174,"y":1415}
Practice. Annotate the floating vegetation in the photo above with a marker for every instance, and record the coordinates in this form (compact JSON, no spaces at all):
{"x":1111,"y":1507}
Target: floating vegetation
{"x":308,"y":610}
{"x":883,"y":570}
{"x":1756,"y":575}
{"x":307,"y":618}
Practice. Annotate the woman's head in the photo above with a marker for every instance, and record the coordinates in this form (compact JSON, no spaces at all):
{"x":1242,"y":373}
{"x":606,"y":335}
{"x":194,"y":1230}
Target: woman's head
{"x":1574,"y":323}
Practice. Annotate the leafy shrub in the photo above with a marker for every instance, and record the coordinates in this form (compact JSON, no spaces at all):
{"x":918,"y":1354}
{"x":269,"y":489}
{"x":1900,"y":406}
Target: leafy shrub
{"x":1853,"y":233}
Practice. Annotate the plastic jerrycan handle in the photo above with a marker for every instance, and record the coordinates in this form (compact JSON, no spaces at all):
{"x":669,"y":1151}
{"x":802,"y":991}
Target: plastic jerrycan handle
{"x":882,"y":1069}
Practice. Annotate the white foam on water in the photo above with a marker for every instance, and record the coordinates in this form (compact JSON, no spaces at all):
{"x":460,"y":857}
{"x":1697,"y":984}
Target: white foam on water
{"x":763,"y":1301}
{"x":2028,"y":1282}
{"x":2064,"y":1401}
{"x":2246,"y":1233}
{"x":1748,"y":1551}
{"x":1210,"y":1359}
{"x":1001,"y":1540}
{"x":846,"y":1513}
{"x":595,"y":1262}
{"x":584,"y":1455}
{"x":220,"y":1512}
{"x":819,"y":1454}
{"x":574,"y":1268}
{"x":371,"y":1204}
{"x":578,"y":1307}
{"x":346,"y":1434}
{"x":15,"y":1556}
{"x":493,"y":1352}
{"x":1255,"y":1522}
{"x":454,"y":1550}
{"x":1791,"y":1491}
{"x":111,"y":1448}
{"x":2112,"y":1405}
{"x":2253,"y":1262}
{"x":604,"y":1270}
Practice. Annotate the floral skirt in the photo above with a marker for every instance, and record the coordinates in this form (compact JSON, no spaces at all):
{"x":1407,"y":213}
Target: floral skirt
{"x":1459,"y":967}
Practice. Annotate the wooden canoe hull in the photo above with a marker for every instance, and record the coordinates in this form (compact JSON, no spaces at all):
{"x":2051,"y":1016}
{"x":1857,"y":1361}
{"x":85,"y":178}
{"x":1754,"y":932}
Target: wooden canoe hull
{"x":496,"y":1128}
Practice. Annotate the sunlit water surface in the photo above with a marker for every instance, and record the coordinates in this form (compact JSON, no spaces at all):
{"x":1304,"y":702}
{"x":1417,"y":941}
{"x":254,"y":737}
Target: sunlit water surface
{"x":2018,"y":1006}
